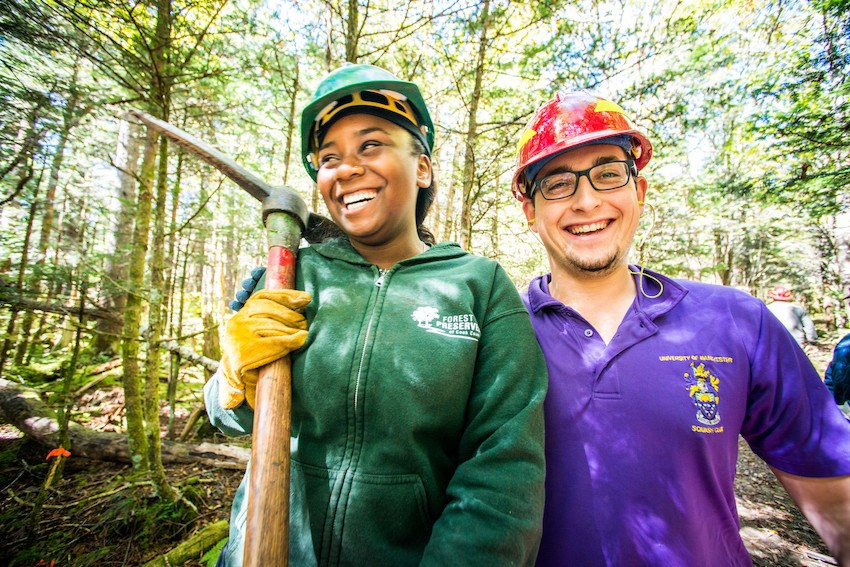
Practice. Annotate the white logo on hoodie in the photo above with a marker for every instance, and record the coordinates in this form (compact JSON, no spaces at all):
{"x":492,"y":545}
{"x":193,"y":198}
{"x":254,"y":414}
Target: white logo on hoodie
{"x":456,"y":326}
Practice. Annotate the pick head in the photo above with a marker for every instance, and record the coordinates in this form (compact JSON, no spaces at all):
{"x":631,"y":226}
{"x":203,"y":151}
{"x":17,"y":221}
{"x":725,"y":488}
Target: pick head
{"x":287,"y":200}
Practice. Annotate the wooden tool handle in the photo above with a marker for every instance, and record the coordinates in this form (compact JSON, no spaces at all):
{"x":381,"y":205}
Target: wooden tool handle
{"x":267,"y":522}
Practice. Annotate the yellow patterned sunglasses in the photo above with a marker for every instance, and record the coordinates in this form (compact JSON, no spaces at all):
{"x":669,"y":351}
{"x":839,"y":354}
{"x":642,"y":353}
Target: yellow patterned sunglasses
{"x":384,"y":100}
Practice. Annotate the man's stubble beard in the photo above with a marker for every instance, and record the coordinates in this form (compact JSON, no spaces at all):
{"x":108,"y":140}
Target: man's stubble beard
{"x":595,"y":268}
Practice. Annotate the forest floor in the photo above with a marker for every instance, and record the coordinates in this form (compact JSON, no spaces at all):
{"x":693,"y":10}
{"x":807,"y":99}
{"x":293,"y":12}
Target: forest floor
{"x":96,"y":516}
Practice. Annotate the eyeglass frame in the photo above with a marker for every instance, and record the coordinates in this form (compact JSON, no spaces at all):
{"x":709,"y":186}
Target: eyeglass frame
{"x":631,"y":170}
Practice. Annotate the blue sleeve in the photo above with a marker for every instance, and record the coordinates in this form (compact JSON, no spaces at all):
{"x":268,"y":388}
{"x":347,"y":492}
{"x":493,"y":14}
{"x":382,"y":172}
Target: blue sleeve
{"x":235,"y":422}
{"x":838,"y":372}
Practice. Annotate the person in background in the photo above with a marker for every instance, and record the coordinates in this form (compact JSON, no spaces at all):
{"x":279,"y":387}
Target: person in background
{"x":837,"y":377}
{"x":651,"y":379}
{"x":417,"y":393}
{"x":792,"y":316}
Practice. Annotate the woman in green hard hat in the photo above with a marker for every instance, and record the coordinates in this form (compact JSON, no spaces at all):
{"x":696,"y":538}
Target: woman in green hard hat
{"x":417,"y":424}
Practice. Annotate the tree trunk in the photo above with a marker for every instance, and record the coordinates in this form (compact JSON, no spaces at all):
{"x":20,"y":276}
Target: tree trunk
{"x":842,"y":260}
{"x":22,"y":407}
{"x":468,"y":180}
{"x":108,"y":332}
{"x":155,"y":329}
{"x":71,"y":116}
{"x":133,"y":312}
{"x":290,"y":131}
{"x":13,"y":316}
{"x":448,"y":231}
{"x":352,"y":31}
{"x":723,"y":256}
{"x":161,"y":91}
{"x":212,"y":343}
{"x":19,"y":303}
{"x":176,"y":330}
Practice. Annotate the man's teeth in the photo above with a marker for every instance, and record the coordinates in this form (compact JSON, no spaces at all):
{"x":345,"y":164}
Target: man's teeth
{"x":358,"y":197}
{"x":585,"y":228}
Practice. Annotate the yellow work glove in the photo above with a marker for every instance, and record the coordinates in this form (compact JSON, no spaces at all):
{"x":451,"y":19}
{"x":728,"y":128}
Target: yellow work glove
{"x":268,"y":328}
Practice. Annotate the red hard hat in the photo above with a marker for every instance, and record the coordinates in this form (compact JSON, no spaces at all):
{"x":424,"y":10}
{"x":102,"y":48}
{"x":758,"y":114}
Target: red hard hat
{"x":780,"y":293}
{"x":570,"y":120}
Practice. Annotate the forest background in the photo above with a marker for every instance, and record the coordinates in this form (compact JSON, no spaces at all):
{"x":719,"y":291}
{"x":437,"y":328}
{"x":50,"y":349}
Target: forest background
{"x":115,"y":245}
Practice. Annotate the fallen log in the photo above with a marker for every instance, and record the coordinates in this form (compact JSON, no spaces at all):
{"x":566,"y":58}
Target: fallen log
{"x":100,"y":375}
{"x":190,"y":423}
{"x":105,"y":367}
{"x":194,"y":547}
{"x":24,"y":304}
{"x":22,"y":407}
{"x":188,"y":354}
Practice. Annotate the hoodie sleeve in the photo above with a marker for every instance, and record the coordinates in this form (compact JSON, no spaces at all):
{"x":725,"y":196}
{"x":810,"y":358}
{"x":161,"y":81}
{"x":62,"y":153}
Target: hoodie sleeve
{"x":495,"y":510}
{"x":234,"y":422}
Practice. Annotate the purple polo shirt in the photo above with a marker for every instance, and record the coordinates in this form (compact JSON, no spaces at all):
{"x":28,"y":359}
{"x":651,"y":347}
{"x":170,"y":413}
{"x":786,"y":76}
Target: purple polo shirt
{"x":642,"y":433}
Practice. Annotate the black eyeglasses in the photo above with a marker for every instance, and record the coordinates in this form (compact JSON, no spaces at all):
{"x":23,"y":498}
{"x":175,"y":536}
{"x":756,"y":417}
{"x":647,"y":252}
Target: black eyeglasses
{"x":603,"y":177}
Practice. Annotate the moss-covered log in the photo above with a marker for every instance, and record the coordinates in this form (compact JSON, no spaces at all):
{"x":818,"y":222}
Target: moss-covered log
{"x":23,"y":408}
{"x":192,"y":548}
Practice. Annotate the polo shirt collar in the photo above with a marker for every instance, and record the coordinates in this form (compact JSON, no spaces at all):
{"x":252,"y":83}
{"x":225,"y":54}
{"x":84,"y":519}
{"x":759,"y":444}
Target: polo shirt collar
{"x":671,"y":294}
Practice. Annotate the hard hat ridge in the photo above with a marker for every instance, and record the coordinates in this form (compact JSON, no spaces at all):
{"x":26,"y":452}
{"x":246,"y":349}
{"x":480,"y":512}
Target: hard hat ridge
{"x":368,"y":89}
{"x":570,"y":120}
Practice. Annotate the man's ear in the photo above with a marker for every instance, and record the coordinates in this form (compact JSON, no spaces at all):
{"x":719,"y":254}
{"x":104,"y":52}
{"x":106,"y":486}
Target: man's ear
{"x":528,"y":210}
{"x":641,"y":185}
{"x":424,"y":172}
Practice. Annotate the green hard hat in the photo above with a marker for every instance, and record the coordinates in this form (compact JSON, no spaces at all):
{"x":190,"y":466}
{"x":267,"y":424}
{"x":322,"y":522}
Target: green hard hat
{"x":350,"y":79}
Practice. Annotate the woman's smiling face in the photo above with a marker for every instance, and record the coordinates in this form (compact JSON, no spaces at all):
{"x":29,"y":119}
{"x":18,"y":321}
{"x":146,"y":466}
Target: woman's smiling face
{"x":369,"y":177}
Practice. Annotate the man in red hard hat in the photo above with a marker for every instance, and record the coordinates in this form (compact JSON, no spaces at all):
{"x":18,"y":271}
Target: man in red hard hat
{"x":652,"y":380}
{"x":795,"y":318}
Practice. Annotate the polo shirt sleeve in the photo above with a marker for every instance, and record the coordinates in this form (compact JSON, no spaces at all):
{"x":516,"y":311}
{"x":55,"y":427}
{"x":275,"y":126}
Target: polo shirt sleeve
{"x":792,"y":421}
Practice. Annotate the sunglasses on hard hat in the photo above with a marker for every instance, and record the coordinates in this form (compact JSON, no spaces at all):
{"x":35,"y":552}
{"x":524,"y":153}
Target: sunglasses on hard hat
{"x":386,"y":104}
{"x":385,"y":100}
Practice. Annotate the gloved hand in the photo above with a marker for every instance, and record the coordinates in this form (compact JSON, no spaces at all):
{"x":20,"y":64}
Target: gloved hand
{"x":248,"y":286}
{"x":269,"y":327}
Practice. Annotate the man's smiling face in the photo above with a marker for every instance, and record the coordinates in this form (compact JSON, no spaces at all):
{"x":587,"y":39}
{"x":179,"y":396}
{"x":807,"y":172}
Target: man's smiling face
{"x":589,"y":233}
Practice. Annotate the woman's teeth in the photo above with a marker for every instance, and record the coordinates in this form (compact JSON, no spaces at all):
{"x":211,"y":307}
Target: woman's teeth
{"x":358,"y":200}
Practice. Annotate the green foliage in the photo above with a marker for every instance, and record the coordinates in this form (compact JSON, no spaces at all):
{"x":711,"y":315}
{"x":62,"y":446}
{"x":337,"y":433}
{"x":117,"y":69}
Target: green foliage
{"x":93,"y":557}
{"x":42,"y":372}
{"x":211,"y":557}
{"x":54,"y":545}
{"x":9,"y":458}
{"x":147,"y":519}
{"x":805,"y":99}
{"x":750,"y":100}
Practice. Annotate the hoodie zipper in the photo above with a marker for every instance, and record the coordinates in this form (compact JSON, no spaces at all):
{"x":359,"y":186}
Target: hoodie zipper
{"x":381,"y":273}
{"x":379,"y":283}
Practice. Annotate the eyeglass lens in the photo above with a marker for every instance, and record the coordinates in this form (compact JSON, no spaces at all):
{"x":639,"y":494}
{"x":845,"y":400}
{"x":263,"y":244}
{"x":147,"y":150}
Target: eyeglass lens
{"x":602,"y":177}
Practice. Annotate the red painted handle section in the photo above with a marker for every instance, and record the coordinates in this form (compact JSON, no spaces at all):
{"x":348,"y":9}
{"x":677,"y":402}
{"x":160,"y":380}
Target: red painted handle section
{"x":280,"y":273}
{"x":267,"y":522}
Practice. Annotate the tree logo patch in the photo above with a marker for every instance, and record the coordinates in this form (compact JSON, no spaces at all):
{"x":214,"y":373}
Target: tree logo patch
{"x":455,"y":326}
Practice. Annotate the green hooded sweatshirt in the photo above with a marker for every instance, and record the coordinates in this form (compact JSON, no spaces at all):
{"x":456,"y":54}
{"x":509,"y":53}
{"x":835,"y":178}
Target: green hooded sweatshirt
{"x":417,"y":424}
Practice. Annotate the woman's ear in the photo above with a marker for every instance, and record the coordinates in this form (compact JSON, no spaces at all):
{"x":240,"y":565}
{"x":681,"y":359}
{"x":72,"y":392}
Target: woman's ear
{"x":424,"y":173}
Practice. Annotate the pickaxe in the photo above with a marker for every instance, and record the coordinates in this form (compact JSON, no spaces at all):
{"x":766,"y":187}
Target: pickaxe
{"x":286,"y":217}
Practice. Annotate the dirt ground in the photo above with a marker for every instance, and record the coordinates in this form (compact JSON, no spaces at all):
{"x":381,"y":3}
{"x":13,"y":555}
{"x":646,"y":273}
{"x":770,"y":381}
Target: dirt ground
{"x":96,"y":516}
{"x":92,"y":509}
